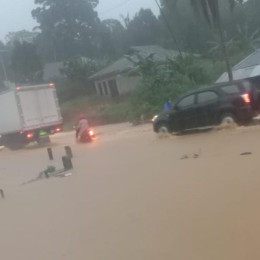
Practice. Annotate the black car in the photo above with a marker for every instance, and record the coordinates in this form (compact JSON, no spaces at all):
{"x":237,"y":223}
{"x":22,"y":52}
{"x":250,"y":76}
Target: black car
{"x":235,"y":101}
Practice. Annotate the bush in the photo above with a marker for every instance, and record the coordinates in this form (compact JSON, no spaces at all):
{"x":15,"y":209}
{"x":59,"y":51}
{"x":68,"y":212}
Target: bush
{"x":98,"y":110}
{"x":163,"y":81}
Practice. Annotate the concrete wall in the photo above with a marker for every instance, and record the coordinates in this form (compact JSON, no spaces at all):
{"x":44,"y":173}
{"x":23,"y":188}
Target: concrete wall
{"x":102,"y":83}
{"x":127,"y":84}
{"x":124,"y":83}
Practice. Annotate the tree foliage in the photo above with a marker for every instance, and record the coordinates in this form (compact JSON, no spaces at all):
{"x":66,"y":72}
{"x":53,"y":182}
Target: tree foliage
{"x":79,"y":69}
{"x":20,"y":36}
{"x":144,"y":28}
{"x":72,"y":27}
{"x":26,"y":63}
{"x":164,"y":80}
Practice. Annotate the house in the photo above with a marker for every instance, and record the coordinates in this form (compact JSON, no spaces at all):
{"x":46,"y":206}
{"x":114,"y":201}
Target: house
{"x":118,"y":78}
{"x":247,"y":68}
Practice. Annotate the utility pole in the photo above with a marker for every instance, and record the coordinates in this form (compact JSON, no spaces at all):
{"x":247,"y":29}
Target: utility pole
{"x":169,"y":28}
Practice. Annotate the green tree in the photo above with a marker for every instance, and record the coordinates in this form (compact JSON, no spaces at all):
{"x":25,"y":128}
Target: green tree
{"x":190,"y":33}
{"x":71,"y":27}
{"x":211,"y":11}
{"x":20,"y":36}
{"x":26,"y":63}
{"x":114,"y":38}
{"x":164,"y":80}
{"x":144,"y":28}
{"x":3,"y":65}
{"x":79,"y":69}
{"x":247,"y":40}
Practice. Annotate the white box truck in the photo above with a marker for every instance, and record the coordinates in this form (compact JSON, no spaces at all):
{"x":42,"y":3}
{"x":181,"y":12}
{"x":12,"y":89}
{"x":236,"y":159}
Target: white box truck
{"x":28,"y":114}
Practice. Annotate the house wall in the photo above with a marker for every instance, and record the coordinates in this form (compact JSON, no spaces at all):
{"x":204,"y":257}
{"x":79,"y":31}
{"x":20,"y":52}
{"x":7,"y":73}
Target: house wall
{"x":124,"y":84}
{"x":102,"y":83}
{"x":127,"y":84}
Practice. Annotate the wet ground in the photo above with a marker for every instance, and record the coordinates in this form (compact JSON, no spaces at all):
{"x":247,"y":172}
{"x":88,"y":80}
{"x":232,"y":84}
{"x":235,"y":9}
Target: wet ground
{"x":134,"y":195}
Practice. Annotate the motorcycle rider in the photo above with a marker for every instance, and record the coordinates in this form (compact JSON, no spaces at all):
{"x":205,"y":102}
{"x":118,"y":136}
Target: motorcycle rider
{"x":81,"y":126}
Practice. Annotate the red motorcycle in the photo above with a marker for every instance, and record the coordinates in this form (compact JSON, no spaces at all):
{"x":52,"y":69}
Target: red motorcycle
{"x":87,"y":136}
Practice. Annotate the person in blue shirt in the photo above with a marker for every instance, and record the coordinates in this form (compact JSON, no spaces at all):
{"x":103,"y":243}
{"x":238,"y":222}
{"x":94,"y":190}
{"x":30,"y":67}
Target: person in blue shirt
{"x":168,"y":105}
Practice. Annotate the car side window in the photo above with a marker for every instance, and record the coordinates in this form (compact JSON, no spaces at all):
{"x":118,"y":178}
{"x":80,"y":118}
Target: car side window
{"x":187,"y":101}
{"x":232,"y":89}
{"x":206,"y":97}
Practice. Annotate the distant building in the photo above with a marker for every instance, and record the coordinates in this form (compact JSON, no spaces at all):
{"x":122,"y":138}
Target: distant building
{"x":247,"y":68}
{"x":119,"y":78}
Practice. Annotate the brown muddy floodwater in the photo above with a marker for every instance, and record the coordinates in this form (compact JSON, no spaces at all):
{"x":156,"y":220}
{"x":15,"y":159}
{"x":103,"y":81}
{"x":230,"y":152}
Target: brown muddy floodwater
{"x":134,"y":196}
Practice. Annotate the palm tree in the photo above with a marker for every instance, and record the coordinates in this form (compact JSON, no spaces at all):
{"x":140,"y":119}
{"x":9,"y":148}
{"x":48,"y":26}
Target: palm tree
{"x":211,"y":11}
{"x":246,"y":39}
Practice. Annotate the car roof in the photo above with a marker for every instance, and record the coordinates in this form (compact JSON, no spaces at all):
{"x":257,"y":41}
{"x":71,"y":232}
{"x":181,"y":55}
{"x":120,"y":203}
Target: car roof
{"x":197,"y":90}
{"x":215,"y":87}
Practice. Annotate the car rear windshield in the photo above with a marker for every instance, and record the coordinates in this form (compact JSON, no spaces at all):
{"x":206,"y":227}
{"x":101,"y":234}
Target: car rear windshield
{"x":232,"y":89}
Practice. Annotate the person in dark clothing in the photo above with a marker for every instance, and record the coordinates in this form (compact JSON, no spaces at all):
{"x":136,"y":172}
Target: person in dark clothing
{"x":168,"y":105}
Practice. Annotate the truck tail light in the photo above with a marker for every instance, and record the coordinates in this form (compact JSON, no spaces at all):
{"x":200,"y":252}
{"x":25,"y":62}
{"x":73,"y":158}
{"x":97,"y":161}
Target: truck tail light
{"x":30,"y":135}
{"x":57,"y":129}
{"x":246,"y":98}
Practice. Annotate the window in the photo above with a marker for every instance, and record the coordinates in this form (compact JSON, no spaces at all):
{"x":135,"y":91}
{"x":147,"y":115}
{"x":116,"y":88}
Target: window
{"x":233,"y":89}
{"x":207,"y":96}
{"x":187,"y":101}
{"x":100,"y":89}
{"x":105,"y":88}
{"x":113,"y":88}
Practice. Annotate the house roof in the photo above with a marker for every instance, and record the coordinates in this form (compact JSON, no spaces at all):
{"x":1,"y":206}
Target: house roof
{"x":124,"y":64}
{"x":248,"y":67}
{"x":252,"y":60}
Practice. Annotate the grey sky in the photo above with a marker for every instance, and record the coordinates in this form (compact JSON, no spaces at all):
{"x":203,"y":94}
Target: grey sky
{"x":15,"y":15}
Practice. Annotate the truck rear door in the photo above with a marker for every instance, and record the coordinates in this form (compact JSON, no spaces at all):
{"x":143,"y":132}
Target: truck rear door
{"x":38,"y":107}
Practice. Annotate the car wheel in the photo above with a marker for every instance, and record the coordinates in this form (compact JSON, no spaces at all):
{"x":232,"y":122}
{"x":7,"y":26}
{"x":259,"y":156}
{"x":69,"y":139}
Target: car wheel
{"x":227,"y":118}
{"x":164,"y":129}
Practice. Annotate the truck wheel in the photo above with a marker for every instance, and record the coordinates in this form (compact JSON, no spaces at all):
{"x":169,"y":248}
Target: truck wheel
{"x":227,"y":118}
{"x":43,"y":140}
{"x":15,"y":146}
{"x":13,"y":142}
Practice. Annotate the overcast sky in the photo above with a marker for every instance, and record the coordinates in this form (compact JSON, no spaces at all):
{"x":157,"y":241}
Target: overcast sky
{"x":15,"y":15}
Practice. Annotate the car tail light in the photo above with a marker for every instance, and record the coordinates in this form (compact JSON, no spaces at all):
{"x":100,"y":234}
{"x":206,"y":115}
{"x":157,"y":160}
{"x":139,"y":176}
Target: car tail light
{"x":51,"y":85}
{"x":18,"y":88}
{"x":30,"y":135}
{"x":246,"y":98}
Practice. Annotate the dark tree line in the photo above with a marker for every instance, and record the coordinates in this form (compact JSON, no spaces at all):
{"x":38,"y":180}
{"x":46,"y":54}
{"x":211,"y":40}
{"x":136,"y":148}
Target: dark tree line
{"x":69,"y":29}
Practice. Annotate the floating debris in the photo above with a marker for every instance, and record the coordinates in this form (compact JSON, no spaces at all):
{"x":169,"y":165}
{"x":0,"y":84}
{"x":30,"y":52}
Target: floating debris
{"x":195,"y":155}
{"x":246,"y":153}
{"x":2,"y":194}
{"x":48,"y":173}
